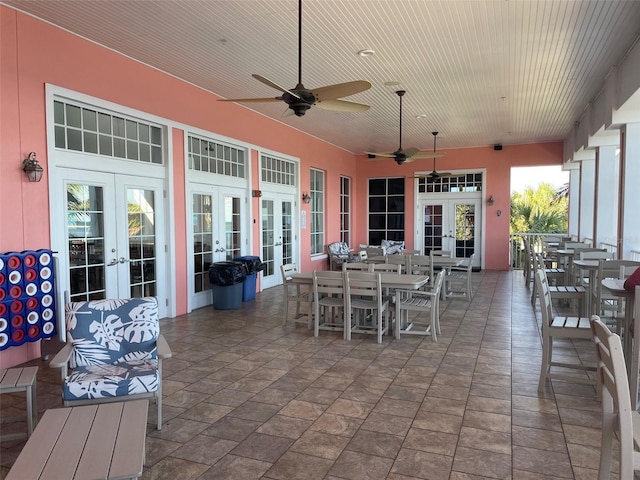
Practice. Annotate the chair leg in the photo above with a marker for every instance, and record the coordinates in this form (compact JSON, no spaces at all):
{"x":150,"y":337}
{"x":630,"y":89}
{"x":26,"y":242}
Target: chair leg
{"x":546,"y":360}
{"x":606,"y":446}
{"x":286,"y":311}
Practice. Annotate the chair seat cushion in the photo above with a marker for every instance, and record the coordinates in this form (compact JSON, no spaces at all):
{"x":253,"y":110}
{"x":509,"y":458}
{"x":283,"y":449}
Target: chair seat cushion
{"x":102,"y":381}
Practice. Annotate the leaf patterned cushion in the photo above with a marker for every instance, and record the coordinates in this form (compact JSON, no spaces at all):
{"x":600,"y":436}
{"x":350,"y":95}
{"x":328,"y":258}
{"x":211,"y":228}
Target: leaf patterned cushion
{"x":112,"y":331}
{"x":100,"y":381}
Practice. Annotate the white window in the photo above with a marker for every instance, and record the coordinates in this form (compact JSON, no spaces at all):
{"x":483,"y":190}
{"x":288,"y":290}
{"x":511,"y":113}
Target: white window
{"x":317,"y":211}
{"x":345,"y":210}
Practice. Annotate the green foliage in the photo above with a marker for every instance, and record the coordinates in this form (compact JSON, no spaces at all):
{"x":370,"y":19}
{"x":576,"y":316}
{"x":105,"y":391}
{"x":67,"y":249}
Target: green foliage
{"x":540,"y":210}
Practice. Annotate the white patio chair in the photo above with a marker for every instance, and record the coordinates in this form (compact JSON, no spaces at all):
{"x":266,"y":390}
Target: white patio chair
{"x":559,"y":327}
{"x":295,"y":293}
{"x":328,"y":301}
{"x":619,"y":416}
{"x":365,"y":304}
{"x":427,"y":304}
{"x":457,"y":280}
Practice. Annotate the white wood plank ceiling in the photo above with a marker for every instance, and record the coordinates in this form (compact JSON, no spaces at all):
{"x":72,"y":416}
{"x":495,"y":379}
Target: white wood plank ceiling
{"x":479,"y":71}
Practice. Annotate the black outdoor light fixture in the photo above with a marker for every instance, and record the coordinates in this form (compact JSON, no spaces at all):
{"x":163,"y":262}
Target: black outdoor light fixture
{"x":32,"y":168}
{"x":306,"y":198}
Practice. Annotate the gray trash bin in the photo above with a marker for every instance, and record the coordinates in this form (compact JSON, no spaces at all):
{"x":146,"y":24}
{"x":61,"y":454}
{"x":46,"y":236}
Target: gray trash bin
{"x":226,"y":280}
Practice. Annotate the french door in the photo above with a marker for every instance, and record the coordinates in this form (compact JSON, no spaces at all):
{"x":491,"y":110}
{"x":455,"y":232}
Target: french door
{"x":217,"y":234}
{"x":450,"y":224}
{"x":112,"y":243}
{"x":279,"y":238}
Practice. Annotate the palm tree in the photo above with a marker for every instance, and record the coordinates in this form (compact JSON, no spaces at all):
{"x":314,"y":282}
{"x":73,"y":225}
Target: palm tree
{"x":539,"y":211}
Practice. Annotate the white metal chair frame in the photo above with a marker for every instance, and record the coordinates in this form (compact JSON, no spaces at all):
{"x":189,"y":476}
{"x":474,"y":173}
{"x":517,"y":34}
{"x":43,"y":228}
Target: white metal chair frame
{"x":559,"y":327}
{"x":619,"y":417}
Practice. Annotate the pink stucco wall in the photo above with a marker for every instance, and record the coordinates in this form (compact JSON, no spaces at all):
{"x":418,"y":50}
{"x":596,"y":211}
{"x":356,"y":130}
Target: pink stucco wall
{"x":33,"y":54}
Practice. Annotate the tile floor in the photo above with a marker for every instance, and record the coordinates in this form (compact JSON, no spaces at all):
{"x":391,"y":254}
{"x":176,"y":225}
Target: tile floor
{"x":248,"y":399}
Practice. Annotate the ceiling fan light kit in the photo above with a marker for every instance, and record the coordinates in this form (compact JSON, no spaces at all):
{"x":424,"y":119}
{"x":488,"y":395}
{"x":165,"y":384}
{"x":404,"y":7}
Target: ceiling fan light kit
{"x":300,"y":99}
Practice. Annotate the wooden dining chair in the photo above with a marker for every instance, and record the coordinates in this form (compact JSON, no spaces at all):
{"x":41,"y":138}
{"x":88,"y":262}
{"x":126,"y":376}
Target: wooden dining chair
{"x":366,"y":309}
{"x":328,"y":301}
{"x":359,"y":267}
{"x":619,"y":415}
{"x":606,"y":304}
{"x":295,"y":293}
{"x":559,"y":327}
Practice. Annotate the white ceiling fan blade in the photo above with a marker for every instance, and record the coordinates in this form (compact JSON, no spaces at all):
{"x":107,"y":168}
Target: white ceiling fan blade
{"x":288,"y":112}
{"x":410,"y":152}
{"x":341,"y":106}
{"x":339,"y":90}
{"x":266,"y":81}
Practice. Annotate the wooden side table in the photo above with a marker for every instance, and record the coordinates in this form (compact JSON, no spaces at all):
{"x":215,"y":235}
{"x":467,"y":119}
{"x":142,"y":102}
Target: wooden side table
{"x":20,"y":380}
{"x":104,"y":441}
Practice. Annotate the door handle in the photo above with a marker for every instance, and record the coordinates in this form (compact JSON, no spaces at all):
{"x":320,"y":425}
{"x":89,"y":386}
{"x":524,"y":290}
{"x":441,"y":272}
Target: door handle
{"x":122,"y":260}
{"x":112,"y":263}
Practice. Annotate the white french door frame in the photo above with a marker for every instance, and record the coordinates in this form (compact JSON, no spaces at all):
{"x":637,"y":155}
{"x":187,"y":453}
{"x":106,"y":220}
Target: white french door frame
{"x":58,"y":158}
{"x":448,"y":202}
{"x":218,"y":194}
{"x":116,"y":250}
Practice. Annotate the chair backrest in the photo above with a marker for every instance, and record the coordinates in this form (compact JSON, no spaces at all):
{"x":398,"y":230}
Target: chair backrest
{"x":418,"y":264}
{"x":439,"y":253}
{"x":408,"y":251}
{"x":327,"y":283}
{"x":595,"y":255}
{"x":627,"y":269}
{"x":374,"y":251}
{"x":363,"y":286}
{"x":616,"y":399}
{"x":108,"y":331}
{"x":287,"y":270}
{"x":362,"y":267}
{"x":386,"y":267}
{"x":542,"y":287}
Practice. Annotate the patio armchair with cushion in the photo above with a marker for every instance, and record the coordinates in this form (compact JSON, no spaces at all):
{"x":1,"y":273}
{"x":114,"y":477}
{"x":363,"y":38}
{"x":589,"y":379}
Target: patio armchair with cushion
{"x":339,"y":253}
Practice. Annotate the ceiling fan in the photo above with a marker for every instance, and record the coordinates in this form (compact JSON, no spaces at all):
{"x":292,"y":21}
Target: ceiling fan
{"x":435,"y":174}
{"x":409,"y":154}
{"x":300,"y":99}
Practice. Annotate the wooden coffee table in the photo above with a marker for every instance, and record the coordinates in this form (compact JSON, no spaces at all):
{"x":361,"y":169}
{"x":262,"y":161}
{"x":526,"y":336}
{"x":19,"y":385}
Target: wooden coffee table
{"x":105,"y":441}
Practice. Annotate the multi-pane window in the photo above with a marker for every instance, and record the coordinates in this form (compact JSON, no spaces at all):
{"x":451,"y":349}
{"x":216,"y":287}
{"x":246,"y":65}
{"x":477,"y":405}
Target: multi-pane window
{"x":202,"y":240}
{"x":467,"y":182}
{"x":345,"y":210}
{"x":386,"y":209}
{"x":214,"y":157}
{"x":278,"y":171}
{"x":317,"y":211}
{"x":88,"y":130}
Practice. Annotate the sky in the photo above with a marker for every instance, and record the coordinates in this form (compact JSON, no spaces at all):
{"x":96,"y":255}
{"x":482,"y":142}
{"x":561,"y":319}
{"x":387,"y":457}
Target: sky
{"x":523,"y":177}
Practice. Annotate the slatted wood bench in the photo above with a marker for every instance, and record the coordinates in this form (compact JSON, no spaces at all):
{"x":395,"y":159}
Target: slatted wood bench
{"x":87,"y":442}
{"x":20,"y":380}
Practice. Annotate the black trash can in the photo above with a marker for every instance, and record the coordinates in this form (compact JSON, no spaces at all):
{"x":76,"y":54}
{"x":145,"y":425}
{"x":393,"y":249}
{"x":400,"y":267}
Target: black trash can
{"x":253,"y":265}
{"x":227,"y":279}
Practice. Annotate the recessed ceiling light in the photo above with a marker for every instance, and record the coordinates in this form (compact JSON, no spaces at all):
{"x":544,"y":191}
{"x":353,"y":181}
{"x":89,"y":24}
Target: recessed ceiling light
{"x":421,"y":116}
{"x":367,"y":52}
{"x":391,"y":83}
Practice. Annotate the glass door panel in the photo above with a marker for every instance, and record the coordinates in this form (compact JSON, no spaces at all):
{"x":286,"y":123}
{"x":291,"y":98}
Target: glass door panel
{"x":217,"y":235}
{"x":278,"y":236}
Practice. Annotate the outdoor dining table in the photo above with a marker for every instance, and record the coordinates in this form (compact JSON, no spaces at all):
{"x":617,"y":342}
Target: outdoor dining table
{"x":387,"y":279}
{"x":591,"y":266}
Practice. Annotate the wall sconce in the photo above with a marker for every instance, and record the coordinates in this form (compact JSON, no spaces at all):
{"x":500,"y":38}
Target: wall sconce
{"x":256,"y":193}
{"x":306,"y":198}
{"x":32,"y":168}
{"x":490,"y":201}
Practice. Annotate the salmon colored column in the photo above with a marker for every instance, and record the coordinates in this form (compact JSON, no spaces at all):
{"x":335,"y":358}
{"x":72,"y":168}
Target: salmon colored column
{"x":179,"y":267}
